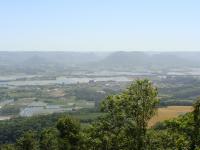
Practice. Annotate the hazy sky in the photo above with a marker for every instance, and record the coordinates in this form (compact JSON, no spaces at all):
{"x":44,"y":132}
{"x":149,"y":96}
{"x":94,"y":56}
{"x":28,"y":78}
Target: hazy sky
{"x":101,"y":25}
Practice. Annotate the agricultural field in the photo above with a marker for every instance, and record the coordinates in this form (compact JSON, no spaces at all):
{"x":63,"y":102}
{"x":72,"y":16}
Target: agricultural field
{"x":173,"y":91}
{"x":169,"y":112}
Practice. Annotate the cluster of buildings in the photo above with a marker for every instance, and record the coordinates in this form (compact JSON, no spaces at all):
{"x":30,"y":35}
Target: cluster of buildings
{"x":39,"y":108}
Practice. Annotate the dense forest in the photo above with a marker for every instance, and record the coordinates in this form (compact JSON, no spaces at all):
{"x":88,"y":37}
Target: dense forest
{"x":123,"y":125}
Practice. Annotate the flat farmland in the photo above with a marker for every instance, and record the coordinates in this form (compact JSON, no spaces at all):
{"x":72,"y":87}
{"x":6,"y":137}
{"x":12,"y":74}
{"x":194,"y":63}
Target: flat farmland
{"x":169,"y":112}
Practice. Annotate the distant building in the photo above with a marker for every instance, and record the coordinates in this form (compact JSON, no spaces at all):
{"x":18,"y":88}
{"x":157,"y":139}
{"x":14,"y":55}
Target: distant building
{"x":33,"y":108}
{"x":91,"y":81}
{"x":6,"y":102}
{"x":102,"y":92}
{"x":41,"y":108}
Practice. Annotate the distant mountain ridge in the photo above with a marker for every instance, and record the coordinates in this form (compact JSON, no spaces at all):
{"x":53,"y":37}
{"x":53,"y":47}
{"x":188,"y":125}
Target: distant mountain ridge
{"x":40,"y":62}
{"x":62,"y":57}
{"x":142,"y":59}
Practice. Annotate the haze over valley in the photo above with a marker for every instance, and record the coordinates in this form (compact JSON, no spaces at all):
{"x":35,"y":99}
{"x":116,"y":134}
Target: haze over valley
{"x":73,"y":75}
{"x":99,"y":75}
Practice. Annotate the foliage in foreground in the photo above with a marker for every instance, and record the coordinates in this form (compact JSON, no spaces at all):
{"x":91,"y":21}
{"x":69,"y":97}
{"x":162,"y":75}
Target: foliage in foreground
{"x":122,"y":127}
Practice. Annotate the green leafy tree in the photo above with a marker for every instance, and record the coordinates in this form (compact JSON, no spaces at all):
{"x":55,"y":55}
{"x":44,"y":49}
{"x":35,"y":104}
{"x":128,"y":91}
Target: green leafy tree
{"x":186,"y":128}
{"x":69,"y":133}
{"x":7,"y":147}
{"x":28,"y":141}
{"x":125,"y":123}
{"x":167,"y":140}
{"x":141,"y":99}
{"x":49,"y":139}
{"x":196,"y":126}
